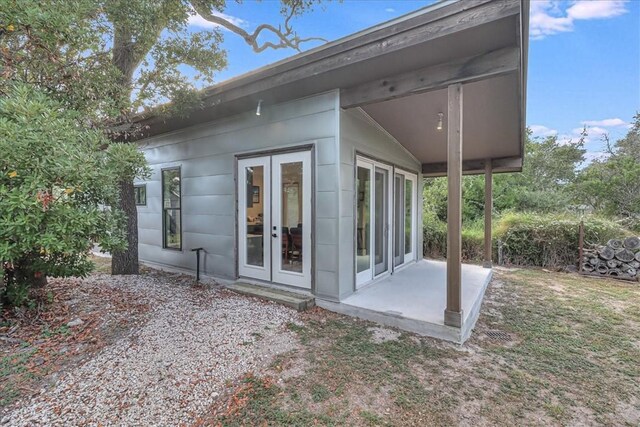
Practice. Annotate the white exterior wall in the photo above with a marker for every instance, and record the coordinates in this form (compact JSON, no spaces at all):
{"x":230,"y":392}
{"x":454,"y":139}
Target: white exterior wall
{"x":359,"y":134}
{"x":206,"y":154}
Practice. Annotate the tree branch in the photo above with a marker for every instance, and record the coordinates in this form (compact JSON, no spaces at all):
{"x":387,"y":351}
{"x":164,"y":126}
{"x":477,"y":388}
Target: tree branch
{"x":287,"y":37}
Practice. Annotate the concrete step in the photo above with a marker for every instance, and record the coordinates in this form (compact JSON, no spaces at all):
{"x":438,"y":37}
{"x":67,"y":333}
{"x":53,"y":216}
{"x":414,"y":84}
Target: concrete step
{"x":300,"y":302}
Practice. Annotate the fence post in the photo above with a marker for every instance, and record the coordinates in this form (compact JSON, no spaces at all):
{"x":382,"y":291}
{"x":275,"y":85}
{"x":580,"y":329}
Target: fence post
{"x":580,"y":245}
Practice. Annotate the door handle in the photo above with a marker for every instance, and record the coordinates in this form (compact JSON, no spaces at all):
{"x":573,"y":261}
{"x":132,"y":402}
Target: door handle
{"x":274,"y":235}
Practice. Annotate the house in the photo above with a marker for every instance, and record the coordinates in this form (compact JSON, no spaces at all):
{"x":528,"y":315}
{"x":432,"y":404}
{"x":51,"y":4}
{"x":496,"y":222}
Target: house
{"x":307,"y":174}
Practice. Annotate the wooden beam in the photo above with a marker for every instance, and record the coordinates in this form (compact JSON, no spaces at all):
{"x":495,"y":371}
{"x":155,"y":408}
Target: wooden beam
{"x":453,"y":313}
{"x":488,"y":210}
{"x":463,"y":70}
{"x":471,"y":167}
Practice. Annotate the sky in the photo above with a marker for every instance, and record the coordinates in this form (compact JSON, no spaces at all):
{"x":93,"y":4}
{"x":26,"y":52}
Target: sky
{"x":584,"y":57}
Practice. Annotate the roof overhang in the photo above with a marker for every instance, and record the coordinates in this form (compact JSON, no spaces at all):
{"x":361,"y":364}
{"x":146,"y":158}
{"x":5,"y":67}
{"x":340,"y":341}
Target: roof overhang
{"x":397,"y":72}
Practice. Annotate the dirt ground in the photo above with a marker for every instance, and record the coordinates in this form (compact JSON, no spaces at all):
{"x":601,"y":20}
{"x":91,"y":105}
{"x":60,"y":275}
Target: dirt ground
{"x":549,"y":349}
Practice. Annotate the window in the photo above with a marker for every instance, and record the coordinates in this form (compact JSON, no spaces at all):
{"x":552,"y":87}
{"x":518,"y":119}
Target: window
{"x":171,"y":209}
{"x":140,"y":194}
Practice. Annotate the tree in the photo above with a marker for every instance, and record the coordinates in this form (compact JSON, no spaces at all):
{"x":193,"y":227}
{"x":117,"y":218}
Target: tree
{"x":611,"y":186}
{"x":112,"y":59}
{"x":544,"y":185}
{"x":54,"y":185}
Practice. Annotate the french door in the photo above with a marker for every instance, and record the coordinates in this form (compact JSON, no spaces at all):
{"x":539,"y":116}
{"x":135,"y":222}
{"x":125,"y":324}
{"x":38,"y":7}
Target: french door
{"x":385,"y":219}
{"x":274,"y":209}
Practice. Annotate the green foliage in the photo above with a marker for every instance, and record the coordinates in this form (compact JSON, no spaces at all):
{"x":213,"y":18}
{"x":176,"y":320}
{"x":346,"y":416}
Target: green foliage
{"x":549,"y":240}
{"x":542,"y":186}
{"x":61,"y":48}
{"x":527,"y":238}
{"x":612,"y":185}
{"x":54,"y":183}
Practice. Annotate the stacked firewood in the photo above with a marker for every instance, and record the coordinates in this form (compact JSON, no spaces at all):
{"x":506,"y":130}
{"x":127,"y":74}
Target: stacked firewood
{"x":618,"y":258}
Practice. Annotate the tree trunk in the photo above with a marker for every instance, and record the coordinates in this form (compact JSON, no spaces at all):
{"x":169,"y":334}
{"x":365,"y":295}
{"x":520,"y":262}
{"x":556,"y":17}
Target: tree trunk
{"x":126,"y":262}
{"x":126,"y":60}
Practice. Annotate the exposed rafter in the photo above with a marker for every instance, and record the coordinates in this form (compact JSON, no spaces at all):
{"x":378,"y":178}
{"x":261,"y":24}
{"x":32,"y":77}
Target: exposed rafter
{"x":464,"y":70}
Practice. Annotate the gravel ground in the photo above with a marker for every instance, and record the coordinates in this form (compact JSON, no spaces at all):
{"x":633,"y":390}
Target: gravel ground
{"x":171,"y":369}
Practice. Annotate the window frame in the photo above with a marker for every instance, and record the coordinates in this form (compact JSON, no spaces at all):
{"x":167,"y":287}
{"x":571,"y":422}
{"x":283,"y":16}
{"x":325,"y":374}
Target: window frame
{"x":164,"y":210}
{"x":136,"y":186}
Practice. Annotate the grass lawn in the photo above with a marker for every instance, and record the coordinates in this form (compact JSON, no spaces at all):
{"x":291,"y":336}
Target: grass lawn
{"x":549,"y":348}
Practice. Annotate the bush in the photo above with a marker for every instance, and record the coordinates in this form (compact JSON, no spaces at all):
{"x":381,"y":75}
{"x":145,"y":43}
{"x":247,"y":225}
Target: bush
{"x":532,"y":239}
{"x":55,"y":179}
{"x":549,"y":240}
{"x":435,"y":239}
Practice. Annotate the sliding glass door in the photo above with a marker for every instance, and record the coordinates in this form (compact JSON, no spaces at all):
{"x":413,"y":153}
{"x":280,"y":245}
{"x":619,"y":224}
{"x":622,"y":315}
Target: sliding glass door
{"x":385,"y":219}
{"x":405,"y":221}
{"x":373,"y":187}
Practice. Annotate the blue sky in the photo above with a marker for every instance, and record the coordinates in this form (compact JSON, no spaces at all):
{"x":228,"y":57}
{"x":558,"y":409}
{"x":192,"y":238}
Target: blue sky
{"x":584,"y":60}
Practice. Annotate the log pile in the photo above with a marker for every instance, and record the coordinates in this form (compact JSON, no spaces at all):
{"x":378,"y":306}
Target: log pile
{"x":619,"y":258}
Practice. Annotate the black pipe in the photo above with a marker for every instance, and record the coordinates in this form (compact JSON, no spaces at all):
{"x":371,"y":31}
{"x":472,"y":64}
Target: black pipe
{"x":197,"y":251}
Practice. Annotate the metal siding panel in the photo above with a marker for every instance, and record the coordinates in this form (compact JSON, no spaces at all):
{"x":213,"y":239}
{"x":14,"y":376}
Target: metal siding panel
{"x":326,"y":151}
{"x":270,"y":114}
{"x":326,"y":257}
{"x":326,"y":178}
{"x":265,"y":135}
{"x":149,"y":220}
{"x":212,"y":244}
{"x":327,"y":231}
{"x":219,"y":266}
{"x":223,"y":204}
{"x":326,"y":204}
{"x":346,"y":204}
{"x":215,"y":225}
{"x":207,"y":185}
{"x":347,"y":257}
{"x":347,"y":177}
{"x":327,"y":284}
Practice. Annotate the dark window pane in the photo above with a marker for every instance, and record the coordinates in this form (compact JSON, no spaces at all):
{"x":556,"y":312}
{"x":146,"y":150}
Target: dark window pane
{"x":363,"y":222}
{"x":172,"y":228}
{"x":171,"y":203}
{"x":140,"y":193}
{"x":254,"y":215}
{"x":408,"y":217}
{"x":171,"y":188}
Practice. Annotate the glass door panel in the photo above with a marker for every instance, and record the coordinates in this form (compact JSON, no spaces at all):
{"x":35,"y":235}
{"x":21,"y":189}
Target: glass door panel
{"x":381,"y":219}
{"x":291,"y":228}
{"x":363,"y":223}
{"x":410,"y":224}
{"x":254,"y":218}
{"x":399,"y":219}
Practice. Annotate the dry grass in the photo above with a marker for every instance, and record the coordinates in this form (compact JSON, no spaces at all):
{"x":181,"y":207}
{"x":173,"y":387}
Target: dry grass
{"x":572,"y":357}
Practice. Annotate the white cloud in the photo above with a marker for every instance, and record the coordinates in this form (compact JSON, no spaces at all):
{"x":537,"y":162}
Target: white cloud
{"x":390,"y":10}
{"x":198,"y":21}
{"x":540,"y":130}
{"x":591,"y":130}
{"x":605,"y":122}
{"x":550,"y":17}
{"x":596,"y":9}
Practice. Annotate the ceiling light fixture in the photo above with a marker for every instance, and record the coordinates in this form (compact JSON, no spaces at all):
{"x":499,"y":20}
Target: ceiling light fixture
{"x":440,"y":116}
{"x":258,"y":110}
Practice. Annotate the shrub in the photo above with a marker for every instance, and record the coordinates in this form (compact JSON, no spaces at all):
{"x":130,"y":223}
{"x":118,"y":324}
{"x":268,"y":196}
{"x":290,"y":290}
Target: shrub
{"x":549,"y":240}
{"x":533,"y":239}
{"x":55,"y":179}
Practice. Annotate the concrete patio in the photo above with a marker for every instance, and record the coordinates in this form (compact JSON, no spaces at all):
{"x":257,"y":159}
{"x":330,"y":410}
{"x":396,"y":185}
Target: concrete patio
{"x":414,"y":299}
